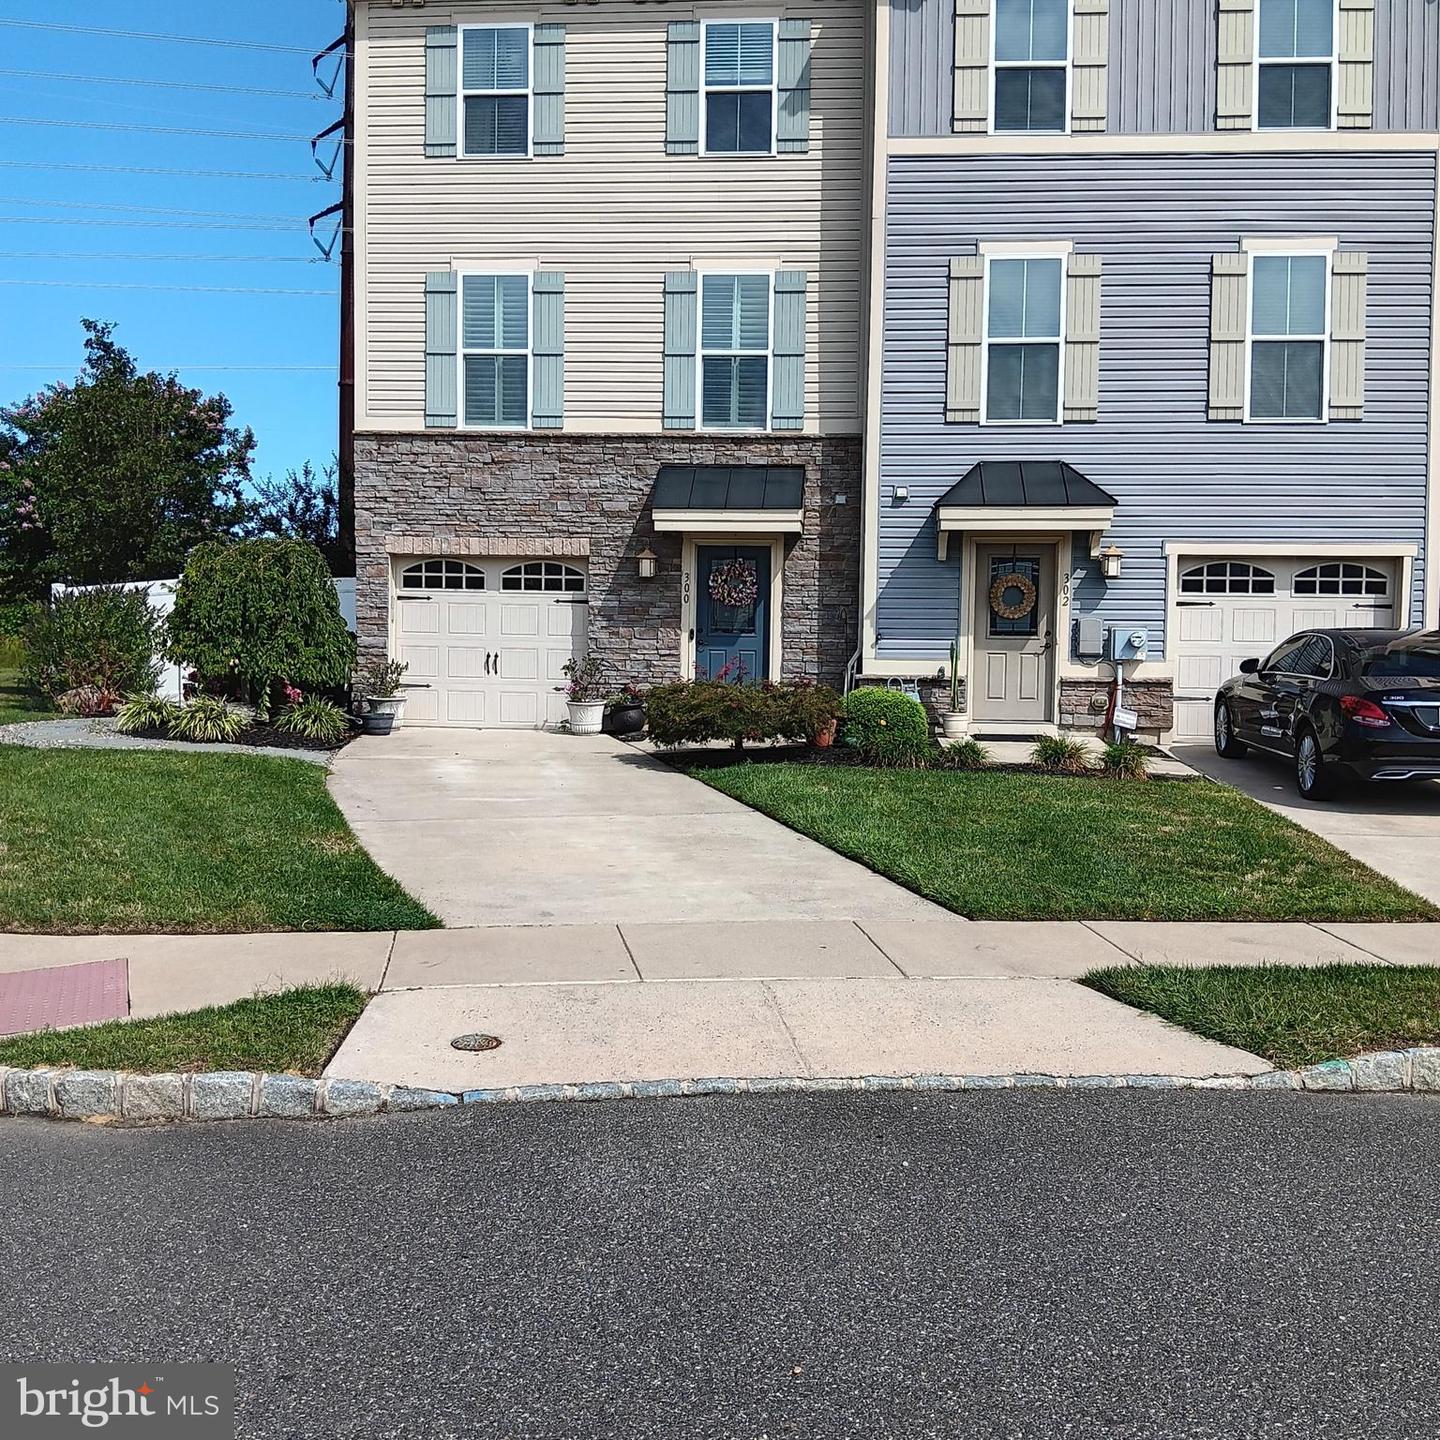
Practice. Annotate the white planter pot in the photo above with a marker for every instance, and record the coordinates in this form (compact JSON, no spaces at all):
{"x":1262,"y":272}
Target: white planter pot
{"x":388,"y":705}
{"x":952,"y":725}
{"x":586,"y":716}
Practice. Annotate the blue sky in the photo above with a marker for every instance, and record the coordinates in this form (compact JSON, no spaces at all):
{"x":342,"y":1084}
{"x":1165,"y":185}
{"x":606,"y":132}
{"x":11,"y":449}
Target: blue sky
{"x":292,"y":410}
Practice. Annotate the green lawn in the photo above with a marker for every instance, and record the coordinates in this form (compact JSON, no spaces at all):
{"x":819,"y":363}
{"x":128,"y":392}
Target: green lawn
{"x":296,"y":1030}
{"x":1006,"y":846}
{"x":1291,"y":1015}
{"x":16,"y":702}
{"x":131,"y":842}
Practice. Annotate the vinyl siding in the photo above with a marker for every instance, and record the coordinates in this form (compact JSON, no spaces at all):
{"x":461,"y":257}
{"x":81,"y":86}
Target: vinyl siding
{"x":1162,"y":66}
{"x":1156,"y":221}
{"x":612,"y":214}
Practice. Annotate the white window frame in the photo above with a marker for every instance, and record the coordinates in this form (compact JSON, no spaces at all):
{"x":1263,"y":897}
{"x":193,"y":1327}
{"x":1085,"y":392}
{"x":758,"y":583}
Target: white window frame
{"x":462,"y":94}
{"x":1369,"y":574}
{"x":1067,"y":65}
{"x":773,"y":88}
{"x":489,"y":272}
{"x":402,"y":589}
{"x":1289,"y":252}
{"x":701,"y":352}
{"x":1332,"y":60}
{"x":1060,"y":255}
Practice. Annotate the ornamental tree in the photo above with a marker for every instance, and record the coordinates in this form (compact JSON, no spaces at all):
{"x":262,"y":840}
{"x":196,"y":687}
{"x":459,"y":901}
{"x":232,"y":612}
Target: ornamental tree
{"x":252,"y":614}
{"x":115,"y":477}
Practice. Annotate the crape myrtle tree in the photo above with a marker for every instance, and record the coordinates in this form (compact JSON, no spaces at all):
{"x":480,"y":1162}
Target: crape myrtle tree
{"x":115,"y":477}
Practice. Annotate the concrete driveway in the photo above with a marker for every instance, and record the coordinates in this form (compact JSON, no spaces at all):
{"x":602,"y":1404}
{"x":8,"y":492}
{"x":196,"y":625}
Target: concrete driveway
{"x":1394,"y":829}
{"x":519,"y":827}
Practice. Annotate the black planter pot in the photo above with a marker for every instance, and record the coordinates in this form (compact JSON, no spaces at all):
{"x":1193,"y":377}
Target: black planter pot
{"x":624,"y":719}
{"x":378,"y":724}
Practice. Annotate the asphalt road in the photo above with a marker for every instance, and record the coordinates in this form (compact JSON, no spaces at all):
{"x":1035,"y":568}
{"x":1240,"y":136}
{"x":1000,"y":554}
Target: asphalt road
{"x":985,"y":1265}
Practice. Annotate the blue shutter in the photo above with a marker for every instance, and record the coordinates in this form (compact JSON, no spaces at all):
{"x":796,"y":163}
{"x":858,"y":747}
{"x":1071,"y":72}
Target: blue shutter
{"x":787,"y":393}
{"x":680,"y":306}
{"x":792,"y":123}
{"x":441,"y":332}
{"x":441,"y":90}
{"x":682,"y":89}
{"x":547,"y":403}
{"x":549,"y":90}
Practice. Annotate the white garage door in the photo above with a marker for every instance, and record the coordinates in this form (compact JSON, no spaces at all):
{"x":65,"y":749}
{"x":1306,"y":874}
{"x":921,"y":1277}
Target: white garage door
{"x":487,"y":640}
{"x":1228,"y":610}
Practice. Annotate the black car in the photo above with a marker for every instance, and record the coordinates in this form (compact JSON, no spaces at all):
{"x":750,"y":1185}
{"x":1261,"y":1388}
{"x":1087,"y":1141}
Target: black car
{"x":1362,"y":703}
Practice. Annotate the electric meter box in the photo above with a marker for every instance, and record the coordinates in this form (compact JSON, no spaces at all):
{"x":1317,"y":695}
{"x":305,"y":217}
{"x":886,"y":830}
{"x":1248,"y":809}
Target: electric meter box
{"x":1129,"y":642}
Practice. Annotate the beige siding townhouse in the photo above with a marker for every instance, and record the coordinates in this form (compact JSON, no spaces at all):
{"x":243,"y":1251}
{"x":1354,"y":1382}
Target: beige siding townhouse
{"x":608,"y":371}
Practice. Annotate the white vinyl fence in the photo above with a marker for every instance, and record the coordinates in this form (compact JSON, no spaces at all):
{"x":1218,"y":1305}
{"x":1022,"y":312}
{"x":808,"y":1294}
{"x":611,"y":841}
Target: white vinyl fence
{"x":160,"y":594}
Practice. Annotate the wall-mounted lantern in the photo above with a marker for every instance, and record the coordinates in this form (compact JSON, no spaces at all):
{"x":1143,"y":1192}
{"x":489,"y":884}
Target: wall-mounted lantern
{"x":1110,"y":559}
{"x":646,"y":562}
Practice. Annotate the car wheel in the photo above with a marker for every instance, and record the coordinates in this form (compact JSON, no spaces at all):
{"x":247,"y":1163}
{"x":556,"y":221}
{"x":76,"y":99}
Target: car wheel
{"x":1226,"y":745}
{"x":1313,"y":778}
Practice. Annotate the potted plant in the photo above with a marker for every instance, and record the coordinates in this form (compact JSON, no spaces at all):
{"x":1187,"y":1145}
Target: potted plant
{"x":952,"y":721}
{"x":379,"y":686}
{"x":625,"y":712}
{"x":584,"y":695}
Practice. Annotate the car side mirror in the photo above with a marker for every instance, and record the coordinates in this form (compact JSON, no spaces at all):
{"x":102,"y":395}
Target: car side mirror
{"x":1250,"y":667}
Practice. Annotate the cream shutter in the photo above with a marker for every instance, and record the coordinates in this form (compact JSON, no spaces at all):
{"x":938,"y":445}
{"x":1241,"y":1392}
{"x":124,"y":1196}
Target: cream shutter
{"x":972,"y":65}
{"x":1229,"y":304}
{"x":965,"y":342}
{"x":1347,"y":336}
{"x":1235,"y":56}
{"x":1082,"y":338}
{"x":1355,"y":77}
{"x":1089,"y":87}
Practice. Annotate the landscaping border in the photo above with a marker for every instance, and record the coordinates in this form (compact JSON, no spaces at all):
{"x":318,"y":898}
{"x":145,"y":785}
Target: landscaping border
{"x":116,"y":1096}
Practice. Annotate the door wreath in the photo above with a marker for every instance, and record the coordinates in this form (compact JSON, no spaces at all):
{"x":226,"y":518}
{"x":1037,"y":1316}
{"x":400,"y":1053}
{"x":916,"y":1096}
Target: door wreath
{"x":1013,"y":609}
{"x":735,"y":583}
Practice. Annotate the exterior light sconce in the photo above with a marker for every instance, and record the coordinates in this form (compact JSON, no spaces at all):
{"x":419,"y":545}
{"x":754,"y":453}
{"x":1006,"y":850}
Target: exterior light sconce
{"x":646,"y":562}
{"x":1110,"y":559}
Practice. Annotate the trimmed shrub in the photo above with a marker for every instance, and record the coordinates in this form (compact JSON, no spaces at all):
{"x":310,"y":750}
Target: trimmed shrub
{"x":887,"y":727}
{"x":258,"y":612}
{"x":963,"y":755}
{"x":207,"y":718}
{"x":1125,"y":760}
{"x":694,"y":712}
{"x":314,"y":718}
{"x":102,"y":639}
{"x":146,"y":712}
{"x":1061,"y":754}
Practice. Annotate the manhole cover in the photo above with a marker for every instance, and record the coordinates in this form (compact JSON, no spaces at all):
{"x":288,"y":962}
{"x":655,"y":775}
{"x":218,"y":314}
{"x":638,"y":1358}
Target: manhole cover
{"x":475,"y":1042}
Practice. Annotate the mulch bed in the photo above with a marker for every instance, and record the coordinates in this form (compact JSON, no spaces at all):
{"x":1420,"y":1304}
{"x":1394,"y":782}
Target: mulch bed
{"x":255,"y":736}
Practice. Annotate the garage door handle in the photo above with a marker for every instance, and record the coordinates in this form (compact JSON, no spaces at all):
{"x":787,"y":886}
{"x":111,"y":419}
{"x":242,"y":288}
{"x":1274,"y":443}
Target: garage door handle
{"x":415,"y":684}
{"x":487,"y":662}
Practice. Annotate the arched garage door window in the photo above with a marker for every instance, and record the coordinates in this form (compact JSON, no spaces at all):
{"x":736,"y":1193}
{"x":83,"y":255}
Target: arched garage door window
{"x":1341,"y":578}
{"x":1227,"y":577}
{"x":544,"y":577}
{"x":442,"y":575}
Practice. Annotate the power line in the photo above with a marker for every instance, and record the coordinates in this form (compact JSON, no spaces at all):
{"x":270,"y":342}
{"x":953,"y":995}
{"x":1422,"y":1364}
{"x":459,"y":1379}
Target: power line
{"x":132,"y":128}
{"x":138,"y":285}
{"x":188,"y":174}
{"x":68,"y":365}
{"x":208,"y":87}
{"x":140,"y":209}
{"x":272,"y":226}
{"x":147,"y":35}
{"x":169,"y":259}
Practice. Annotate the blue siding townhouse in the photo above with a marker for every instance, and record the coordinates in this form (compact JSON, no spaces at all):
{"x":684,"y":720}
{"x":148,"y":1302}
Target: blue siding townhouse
{"x":1152,"y":343}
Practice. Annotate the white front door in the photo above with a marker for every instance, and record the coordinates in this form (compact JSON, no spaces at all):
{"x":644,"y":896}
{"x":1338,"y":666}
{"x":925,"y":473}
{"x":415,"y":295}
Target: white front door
{"x":1230,"y":609}
{"x":486,"y":641}
{"x":1012,"y":679}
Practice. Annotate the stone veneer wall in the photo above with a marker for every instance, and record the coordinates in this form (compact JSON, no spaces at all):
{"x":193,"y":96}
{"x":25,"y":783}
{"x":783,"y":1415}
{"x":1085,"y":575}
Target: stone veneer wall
{"x":1083,"y":704}
{"x":590,"y":494}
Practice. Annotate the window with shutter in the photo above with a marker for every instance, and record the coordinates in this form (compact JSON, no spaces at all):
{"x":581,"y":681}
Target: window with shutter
{"x":1032,"y":63}
{"x":1289,"y":336}
{"x":734,"y":351}
{"x":738,"y":113}
{"x":495,"y":350}
{"x":1024,"y":339}
{"x":1295,"y":89}
{"x":495,"y":91}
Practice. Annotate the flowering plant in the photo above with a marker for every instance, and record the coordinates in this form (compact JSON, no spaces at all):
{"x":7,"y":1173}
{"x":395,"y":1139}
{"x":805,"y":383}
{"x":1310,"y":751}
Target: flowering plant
{"x":584,"y":686}
{"x":735,"y":583}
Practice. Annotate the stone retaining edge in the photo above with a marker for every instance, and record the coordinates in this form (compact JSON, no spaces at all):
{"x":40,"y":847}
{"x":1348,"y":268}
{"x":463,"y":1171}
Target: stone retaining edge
{"x":109,"y":1095}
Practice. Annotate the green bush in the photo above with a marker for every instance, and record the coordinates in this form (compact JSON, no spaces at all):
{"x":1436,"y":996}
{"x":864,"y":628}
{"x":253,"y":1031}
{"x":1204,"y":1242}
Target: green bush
{"x":1062,"y":754}
{"x":694,"y":712}
{"x":1125,"y":760}
{"x":314,"y":718}
{"x":887,"y":727}
{"x":14,"y":616}
{"x":963,"y":755}
{"x":207,"y":718}
{"x":103,"y":639}
{"x":254,"y":613}
{"x":146,"y":712}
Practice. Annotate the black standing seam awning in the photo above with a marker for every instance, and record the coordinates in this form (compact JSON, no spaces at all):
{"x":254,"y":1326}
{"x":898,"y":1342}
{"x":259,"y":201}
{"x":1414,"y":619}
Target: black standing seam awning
{"x":1015,"y":484}
{"x":760,"y":497}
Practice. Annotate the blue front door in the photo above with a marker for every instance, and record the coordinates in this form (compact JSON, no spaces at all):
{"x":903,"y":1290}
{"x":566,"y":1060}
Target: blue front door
{"x":732,"y":623}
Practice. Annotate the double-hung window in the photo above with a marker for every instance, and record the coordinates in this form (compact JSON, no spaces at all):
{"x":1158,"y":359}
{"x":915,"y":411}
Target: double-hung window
{"x":1032,"y":61}
{"x":1296,"y":70}
{"x":734,"y":351}
{"x":495,"y":90}
{"x":739,"y":100}
{"x":1024,"y":338}
{"x":1289,"y":336}
{"x":495,"y":350}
